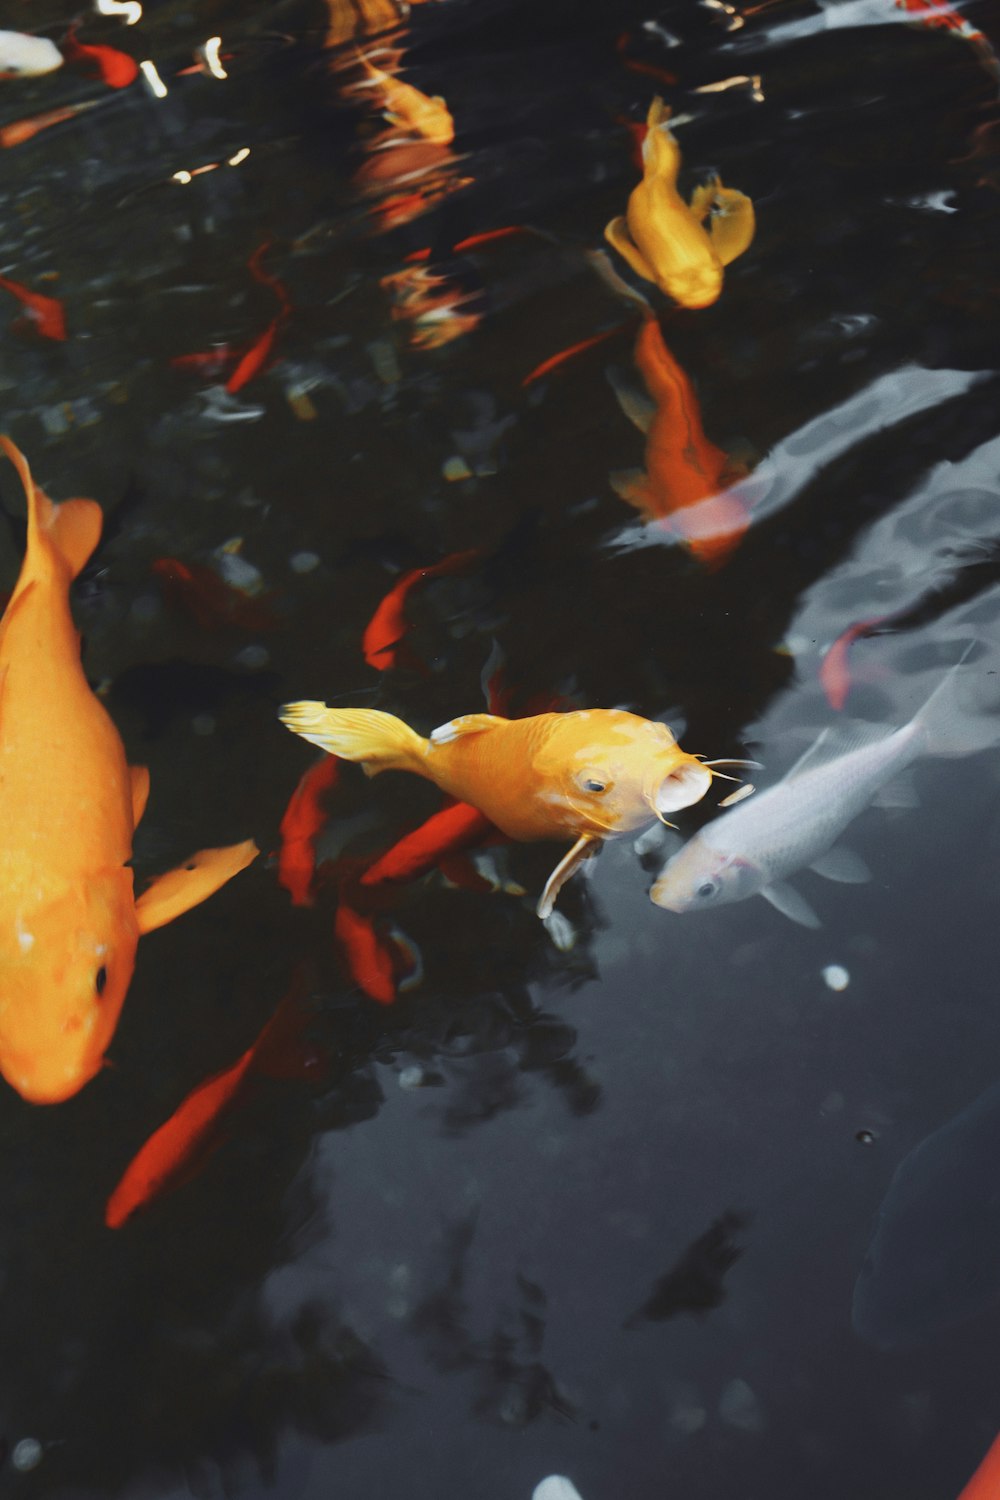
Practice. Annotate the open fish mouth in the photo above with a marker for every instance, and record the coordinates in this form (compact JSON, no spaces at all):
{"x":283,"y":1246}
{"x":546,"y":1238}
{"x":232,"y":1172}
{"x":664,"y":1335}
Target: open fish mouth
{"x":685,"y":784}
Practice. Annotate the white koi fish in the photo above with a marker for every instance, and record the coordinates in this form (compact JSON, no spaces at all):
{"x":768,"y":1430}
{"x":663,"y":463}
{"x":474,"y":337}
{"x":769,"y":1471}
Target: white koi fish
{"x":754,"y":848}
{"x":24,"y":56}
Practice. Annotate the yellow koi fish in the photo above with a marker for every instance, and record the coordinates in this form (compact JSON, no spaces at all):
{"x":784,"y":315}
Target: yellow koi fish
{"x":664,"y":239}
{"x":588,"y":775}
{"x":402,"y":104}
{"x":69,"y":804}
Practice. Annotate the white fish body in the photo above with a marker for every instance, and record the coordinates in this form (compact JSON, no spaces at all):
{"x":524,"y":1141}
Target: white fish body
{"x":23,"y":56}
{"x":755,"y":847}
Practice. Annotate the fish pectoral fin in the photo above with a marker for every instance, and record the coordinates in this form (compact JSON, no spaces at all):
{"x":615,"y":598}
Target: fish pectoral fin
{"x":640,"y":410}
{"x":901,"y":791}
{"x":786,"y":899}
{"x":703,"y":198}
{"x":191,"y":883}
{"x":632,"y":486}
{"x":619,"y":238}
{"x":586,"y":846}
{"x":139,"y":778}
{"x":464,"y":724}
{"x":732,"y":225}
{"x":842,"y":865}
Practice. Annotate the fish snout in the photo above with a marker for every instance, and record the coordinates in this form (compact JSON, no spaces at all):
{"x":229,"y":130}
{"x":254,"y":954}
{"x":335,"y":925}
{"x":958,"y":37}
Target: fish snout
{"x":685,"y":783}
{"x":697,"y":288}
{"x":47,"y":1084}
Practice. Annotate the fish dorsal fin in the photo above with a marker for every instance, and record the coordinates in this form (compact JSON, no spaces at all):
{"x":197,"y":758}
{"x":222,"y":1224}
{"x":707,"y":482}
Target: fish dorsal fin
{"x":465,"y":724}
{"x":834,"y":743}
{"x":74,"y":527}
{"x":139,"y":782}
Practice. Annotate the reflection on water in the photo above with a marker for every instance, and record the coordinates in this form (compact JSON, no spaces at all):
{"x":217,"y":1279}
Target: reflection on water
{"x":313,"y":297}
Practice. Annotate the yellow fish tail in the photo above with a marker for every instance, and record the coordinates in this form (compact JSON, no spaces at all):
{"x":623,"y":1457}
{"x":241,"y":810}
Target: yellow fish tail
{"x":73,"y":528}
{"x":380,"y":741}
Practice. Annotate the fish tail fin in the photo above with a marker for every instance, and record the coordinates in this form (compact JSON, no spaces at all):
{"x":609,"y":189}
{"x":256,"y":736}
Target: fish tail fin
{"x":73,"y":528}
{"x":379,"y":741}
{"x":947,"y":725}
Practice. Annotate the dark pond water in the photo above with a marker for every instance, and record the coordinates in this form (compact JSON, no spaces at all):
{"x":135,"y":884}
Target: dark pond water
{"x":596,"y":1206}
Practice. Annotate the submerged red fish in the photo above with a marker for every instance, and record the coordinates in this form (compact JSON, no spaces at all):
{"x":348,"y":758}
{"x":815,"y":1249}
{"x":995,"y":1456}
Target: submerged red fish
{"x":687,"y":483}
{"x":388,"y":625}
{"x":44,"y":313}
{"x":182,"y":1144}
{"x":985,"y":1482}
{"x":210,"y":599}
{"x":304,"y":817}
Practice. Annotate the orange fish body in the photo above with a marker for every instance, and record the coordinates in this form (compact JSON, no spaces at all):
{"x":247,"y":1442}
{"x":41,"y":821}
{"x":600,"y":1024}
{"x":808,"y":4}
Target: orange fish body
{"x":664,"y":239}
{"x":69,"y":923}
{"x":19,"y":131}
{"x":388,"y":625}
{"x":402,"y":104}
{"x":683,"y":469}
{"x":365,"y":952}
{"x":46,"y":313}
{"x":985,"y":1482}
{"x":588,"y":775}
{"x":112,"y":67}
{"x":443,"y":834}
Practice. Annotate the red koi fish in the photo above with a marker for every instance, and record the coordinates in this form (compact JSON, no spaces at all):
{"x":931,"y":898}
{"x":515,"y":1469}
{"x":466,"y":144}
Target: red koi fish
{"x":985,"y":1482}
{"x":683,"y":469}
{"x":209,"y":599}
{"x":834,"y":674}
{"x":19,"y":131}
{"x":45,"y":313}
{"x":388,"y":625}
{"x":304,"y":816}
{"x":259,"y":353}
{"x":112,"y":67}
{"x":366,"y":952}
{"x":648,"y":70}
{"x":555,"y":360}
{"x":445,"y":833}
{"x":180,"y":1147}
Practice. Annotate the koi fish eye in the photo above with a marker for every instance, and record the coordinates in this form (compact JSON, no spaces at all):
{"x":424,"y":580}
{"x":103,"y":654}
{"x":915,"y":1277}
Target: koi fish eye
{"x":100,"y":980}
{"x":707,"y":890}
{"x":589,"y":781}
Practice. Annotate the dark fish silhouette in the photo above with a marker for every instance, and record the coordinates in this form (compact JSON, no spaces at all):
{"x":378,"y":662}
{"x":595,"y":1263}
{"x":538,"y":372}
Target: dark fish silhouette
{"x":695,"y":1284}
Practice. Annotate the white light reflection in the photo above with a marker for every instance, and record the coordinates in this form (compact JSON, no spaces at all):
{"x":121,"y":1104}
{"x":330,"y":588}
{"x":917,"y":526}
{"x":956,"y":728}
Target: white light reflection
{"x":756,"y":92}
{"x":181,"y":177}
{"x":210,"y":52}
{"x":153,"y":80}
{"x":131,"y":10}
{"x":241,"y":155}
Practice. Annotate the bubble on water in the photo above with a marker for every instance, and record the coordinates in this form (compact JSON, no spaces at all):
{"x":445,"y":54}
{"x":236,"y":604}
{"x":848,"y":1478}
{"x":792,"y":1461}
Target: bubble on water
{"x":456,"y":468}
{"x":836,"y":977}
{"x":253,"y":657}
{"x":411,"y":1078}
{"x":304,"y":562}
{"x":203,"y":724}
{"x":145,"y":608}
{"x":556,"y":1487}
{"x":27,"y":1455}
{"x":866,"y":1137}
{"x":739,"y":1407}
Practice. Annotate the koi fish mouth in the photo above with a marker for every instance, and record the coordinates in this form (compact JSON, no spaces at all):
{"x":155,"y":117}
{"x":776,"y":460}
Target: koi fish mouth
{"x":685,"y":784}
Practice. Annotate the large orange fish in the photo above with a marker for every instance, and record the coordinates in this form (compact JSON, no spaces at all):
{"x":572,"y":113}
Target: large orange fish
{"x":683,"y":469}
{"x":588,"y":775}
{"x":985,"y":1482}
{"x":664,"y":239}
{"x":69,"y":803}
{"x":196,"y":1128}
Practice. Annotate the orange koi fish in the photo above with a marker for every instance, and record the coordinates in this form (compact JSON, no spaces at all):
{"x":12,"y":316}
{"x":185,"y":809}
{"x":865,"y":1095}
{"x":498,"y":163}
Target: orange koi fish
{"x":45,"y":313}
{"x":366,"y":952}
{"x":351,"y":18}
{"x":182,"y":1144}
{"x":69,"y":804}
{"x":402,"y":104}
{"x":211,"y":600}
{"x":19,"y":131}
{"x":985,"y":1482}
{"x":590,"y":774}
{"x":664,"y":239}
{"x":683,"y":468}
{"x":304,"y":816}
{"x":259,"y":353}
{"x":112,"y":67}
{"x":388,"y":625}
{"x":445,"y":833}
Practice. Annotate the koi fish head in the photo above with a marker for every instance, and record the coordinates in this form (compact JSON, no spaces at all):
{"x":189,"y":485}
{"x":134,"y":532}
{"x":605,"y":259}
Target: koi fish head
{"x":617,"y":771}
{"x":699,"y":877}
{"x":65,"y":967}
